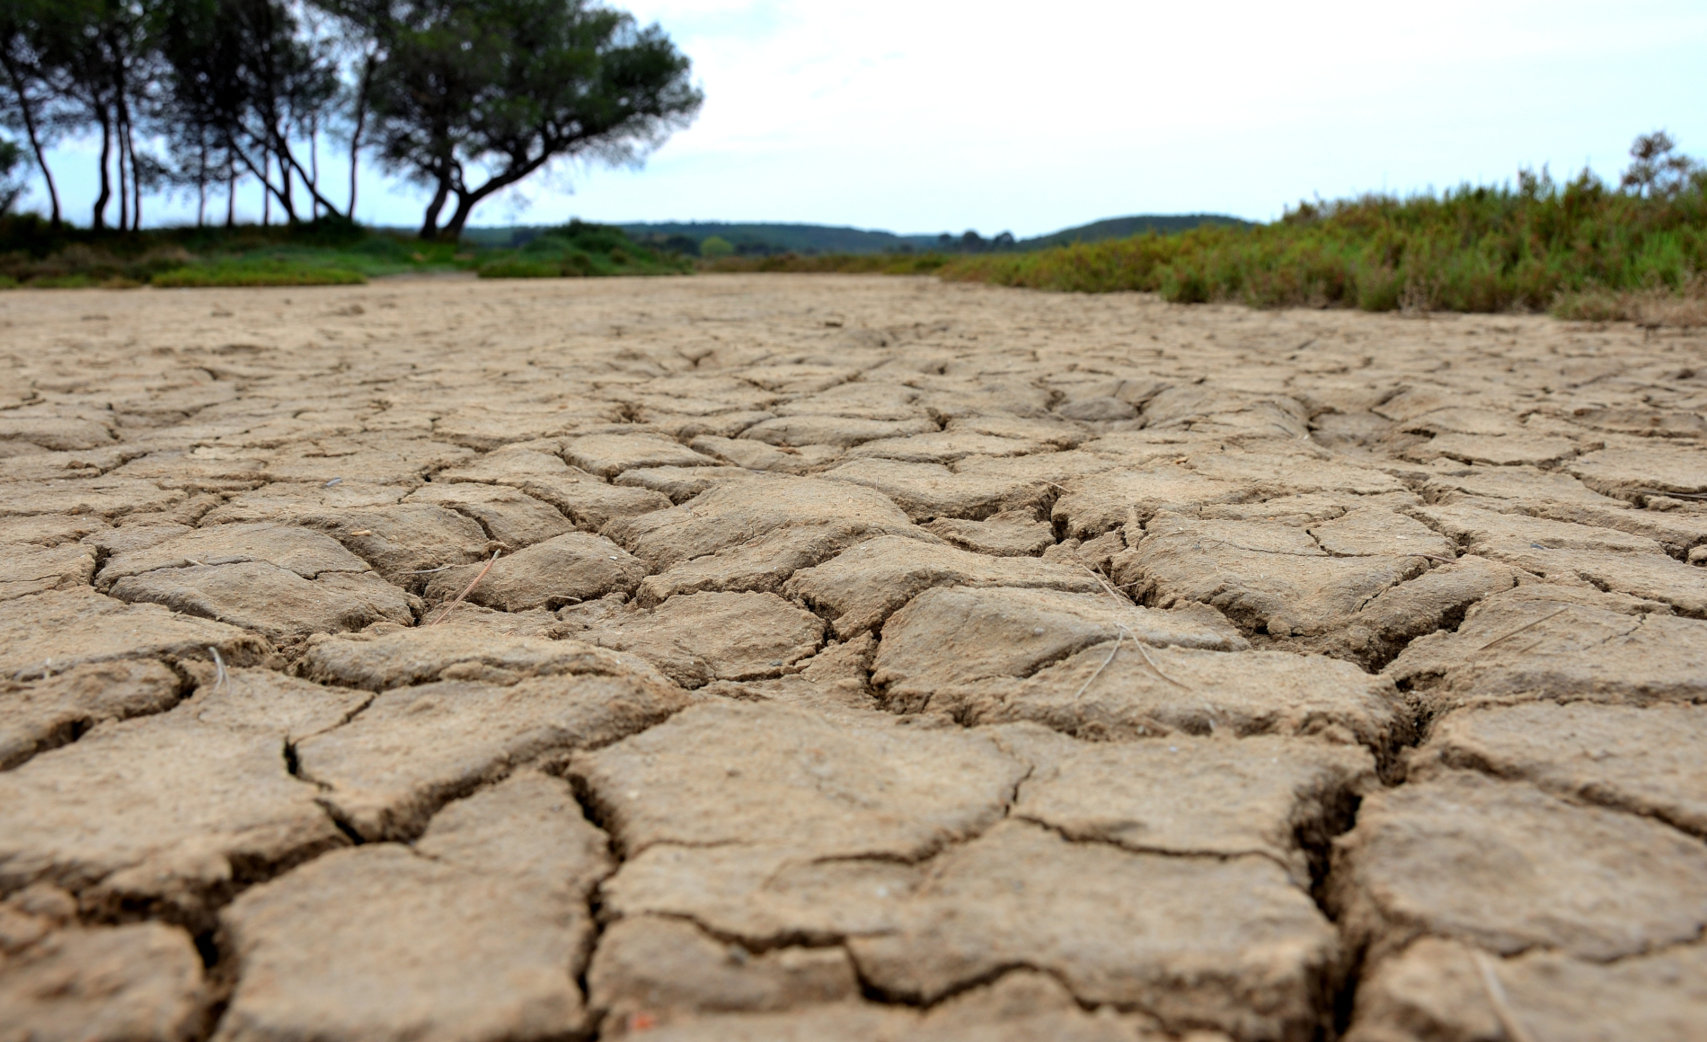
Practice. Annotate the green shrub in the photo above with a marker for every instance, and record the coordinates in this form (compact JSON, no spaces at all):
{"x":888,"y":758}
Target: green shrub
{"x":579,"y":250}
{"x":1472,"y":249}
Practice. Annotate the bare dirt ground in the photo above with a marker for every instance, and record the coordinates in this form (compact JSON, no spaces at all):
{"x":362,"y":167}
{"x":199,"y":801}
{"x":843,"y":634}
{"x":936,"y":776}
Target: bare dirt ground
{"x":861,"y":659}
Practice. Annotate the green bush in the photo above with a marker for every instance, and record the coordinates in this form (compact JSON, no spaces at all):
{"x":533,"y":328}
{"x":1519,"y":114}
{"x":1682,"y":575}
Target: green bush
{"x":580,"y":250}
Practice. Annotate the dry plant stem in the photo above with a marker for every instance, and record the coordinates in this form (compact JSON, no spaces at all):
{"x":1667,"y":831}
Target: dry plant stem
{"x":1107,"y":586}
{"x":1155,"y":668}
{"x":1145,"y":655}
{"x":1520,"y":629}
{"x":219,"y":665}
{"x":1514,"y":1031}
{"x":466,"y":590}
{"x":1086,"y":686}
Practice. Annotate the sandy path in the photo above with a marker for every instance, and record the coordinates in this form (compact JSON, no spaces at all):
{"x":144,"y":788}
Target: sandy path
{"x":845,"y":658}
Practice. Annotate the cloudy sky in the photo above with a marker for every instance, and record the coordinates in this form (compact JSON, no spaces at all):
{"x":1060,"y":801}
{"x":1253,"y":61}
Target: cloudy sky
{"x":932,"y":115}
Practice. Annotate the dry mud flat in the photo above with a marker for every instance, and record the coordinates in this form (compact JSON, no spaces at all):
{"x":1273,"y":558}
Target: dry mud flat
{"x":862,"y":659}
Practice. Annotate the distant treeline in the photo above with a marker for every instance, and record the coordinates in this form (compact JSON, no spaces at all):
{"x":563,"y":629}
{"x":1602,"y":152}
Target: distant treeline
{"x":713,"y":240}
{"x":466,"y":97}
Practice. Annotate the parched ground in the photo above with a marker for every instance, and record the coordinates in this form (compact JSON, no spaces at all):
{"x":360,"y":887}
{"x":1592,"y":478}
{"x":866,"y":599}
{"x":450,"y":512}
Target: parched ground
{"x":845,"y":659}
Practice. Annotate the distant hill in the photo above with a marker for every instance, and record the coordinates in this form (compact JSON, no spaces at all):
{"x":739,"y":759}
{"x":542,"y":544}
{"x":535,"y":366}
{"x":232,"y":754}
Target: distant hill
{"x":771,"y":238}
{"x":779,"y":238}
{"x":1126,"y":227}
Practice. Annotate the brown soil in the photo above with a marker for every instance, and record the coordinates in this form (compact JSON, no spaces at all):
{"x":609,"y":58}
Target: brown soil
{"x":845,"y":658}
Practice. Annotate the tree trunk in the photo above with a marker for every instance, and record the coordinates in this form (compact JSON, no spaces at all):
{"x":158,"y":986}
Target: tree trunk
{"x":127,"y":146}
{"x":320,"y":201}
{"x":314,"y":165}
{"x":287,"y":200}
{"x":430,"y":226}
{"x":356,"y":134}
{"x":287,"y":192}
{"x":467,"y":200}
{"x":201,"y":185}
{"x":263,"y":173}
{"x":230,"y":191}
{"x":287,"y":195}
{"x":465,"y":203}
{"x":28,"y":112}
{"x":135,"y":174}
{"x":99,"y":220}
{"x":124,"y":182}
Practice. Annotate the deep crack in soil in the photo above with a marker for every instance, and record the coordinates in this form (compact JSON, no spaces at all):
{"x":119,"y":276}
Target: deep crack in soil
{"x":861,"y":659}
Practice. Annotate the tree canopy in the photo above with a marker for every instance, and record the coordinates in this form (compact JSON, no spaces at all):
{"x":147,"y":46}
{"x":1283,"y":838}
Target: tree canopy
{"x":467,"y":97}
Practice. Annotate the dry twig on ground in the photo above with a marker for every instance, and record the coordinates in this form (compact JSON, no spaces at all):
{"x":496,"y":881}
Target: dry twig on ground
{"x":466,"y":590}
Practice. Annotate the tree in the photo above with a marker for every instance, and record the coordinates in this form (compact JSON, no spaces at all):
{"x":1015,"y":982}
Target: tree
{"x":99,"y":60}
{"x":27,"y":96}
{"x":247,"y":81}
{"x":715,"y":246}
{"x":472,"y":96}
{"x":1656,"y":168}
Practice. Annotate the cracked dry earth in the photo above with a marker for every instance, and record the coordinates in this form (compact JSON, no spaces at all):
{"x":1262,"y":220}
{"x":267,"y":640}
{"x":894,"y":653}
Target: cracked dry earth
{"x":862,"y":659}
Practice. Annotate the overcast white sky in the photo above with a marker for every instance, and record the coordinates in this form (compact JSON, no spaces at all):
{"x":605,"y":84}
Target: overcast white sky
{"x":930,"y":115}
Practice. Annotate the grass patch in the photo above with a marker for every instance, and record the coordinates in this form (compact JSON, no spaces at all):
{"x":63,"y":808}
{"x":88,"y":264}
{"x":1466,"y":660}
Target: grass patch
{"x":256,"y":275}
{"x":1684,"y":308}
{"x":66,"y":282}
{"x":579,"y":250}
{"x":33,"y":254}
{"x":1578,"y":247}
{"x":36,"y":255}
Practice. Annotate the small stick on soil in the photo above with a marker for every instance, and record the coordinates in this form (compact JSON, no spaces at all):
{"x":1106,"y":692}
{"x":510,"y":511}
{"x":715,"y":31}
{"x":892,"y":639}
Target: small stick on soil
{"x":1433,"y":557}
{"x":1672,"y":495}
{"x":466,"y":590}
{"x":1107,"y":586}
{"x":219,"y":665}
{"x":1514,"y":1031}
{"x":1155,"y":668}
{"x":1520,"y":629}
{"x":1086,"y":686}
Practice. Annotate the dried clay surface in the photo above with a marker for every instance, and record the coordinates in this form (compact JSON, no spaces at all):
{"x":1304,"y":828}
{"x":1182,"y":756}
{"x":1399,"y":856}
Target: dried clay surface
{"x":797,"y":658}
